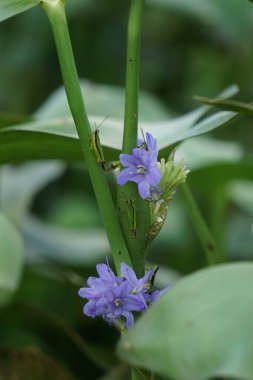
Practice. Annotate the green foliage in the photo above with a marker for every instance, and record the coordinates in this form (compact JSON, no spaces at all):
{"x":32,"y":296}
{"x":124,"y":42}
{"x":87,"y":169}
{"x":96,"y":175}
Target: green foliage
{"x":57,"y":137}
{"x":229,"y":105}
{"x":200,"y":329}
{"x":11,"y":259}
{"x":11,"y":8}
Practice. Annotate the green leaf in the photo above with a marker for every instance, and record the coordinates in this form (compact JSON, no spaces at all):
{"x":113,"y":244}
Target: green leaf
{"x":21,"y":145}
{"x":102,"y":100}
{"x":63,"y":245}
{"x":201,"y":152}
{"x":20,"y":184}
{"x":57,"y":138}
{"x":228,"y":105}
{"x":218,"y":174}
{"x":11,"y":259}
{"x":200,"y":329}
{"x":214,"y":13}
{"x":9,"y":8}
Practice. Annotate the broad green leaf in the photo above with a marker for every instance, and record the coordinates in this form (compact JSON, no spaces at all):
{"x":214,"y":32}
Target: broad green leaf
{"x":102,"y":100}
{"x":201,"y":152}
{"x":21,"y":145}
{"x":20,"y":184}
{"x":7,"y":118}
{"x":57,"y":138}
{"x":200,"y":329}
{"x":214,"y":14}
{"x":219,"y":174}
{"x":62,"y":245}
{"x":228,"y":105}
{"x":11,"y":259}
{"x":30,"y":363}
{"x":9,"y":8}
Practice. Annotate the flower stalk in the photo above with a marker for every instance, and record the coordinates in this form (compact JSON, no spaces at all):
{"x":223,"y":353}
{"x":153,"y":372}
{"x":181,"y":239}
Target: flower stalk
{"x":205,"y":237}
{"x":56,"y":13}
{"x":128,"y":194}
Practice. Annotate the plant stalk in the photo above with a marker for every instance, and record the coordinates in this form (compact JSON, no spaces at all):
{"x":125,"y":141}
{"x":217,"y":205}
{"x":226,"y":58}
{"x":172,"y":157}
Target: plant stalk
{"x":55,"y":10}
{"x":136,"y":240}
{"x":205,"y":237}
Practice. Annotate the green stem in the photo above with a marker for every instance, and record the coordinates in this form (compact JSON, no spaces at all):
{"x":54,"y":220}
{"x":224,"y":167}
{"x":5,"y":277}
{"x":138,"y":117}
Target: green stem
{"x":56,"y":13}
{"x":134,"y":374}
{"x":205,"y":237}
{"x":132,"y":75}
{"x":137,"y":243}
{"x":217,"y":212}
{"x":138,"y":374}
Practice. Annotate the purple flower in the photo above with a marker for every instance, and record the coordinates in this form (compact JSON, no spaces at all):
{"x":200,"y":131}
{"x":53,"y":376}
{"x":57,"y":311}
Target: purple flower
{"x":143,"y":286}
{"x":151,"y":295}
{"x":141,"y":166}
{"x":148,"y":144}
{"x":110,"y":296}
{"x":114,"y":297}
{"x":120,"y":302}
{"x":137,"y":286}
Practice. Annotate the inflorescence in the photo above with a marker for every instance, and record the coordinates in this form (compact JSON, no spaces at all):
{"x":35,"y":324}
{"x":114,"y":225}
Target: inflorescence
{"x":141,"y":167}
{"x":115,"y":297}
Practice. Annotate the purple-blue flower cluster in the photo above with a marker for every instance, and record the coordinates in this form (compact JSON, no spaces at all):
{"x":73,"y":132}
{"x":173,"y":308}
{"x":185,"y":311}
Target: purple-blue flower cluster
{"x":115,"y":297}
{"x":141,"y":166}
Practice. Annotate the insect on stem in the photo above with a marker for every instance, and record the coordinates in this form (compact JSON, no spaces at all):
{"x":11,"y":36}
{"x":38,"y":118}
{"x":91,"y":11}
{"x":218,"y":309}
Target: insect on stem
{"x":98,"y":150}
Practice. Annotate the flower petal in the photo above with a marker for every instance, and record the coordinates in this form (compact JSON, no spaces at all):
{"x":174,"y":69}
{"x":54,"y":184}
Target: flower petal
{"x":129,"y":318}
{"x":127,"y":160}
{"x":90,"y":309}
{"x":154,"y":176}
{"x":129,"y":274}
{"x":86,"y":293}
{"x":143,"y":188}
{"x":151,"y":142}
{"x":101,"y":306}
{"x":105,"y":272}
{"x":139,"y":155}
{"x":153,"y":158}
{"x":123,"y":176}
{"x":134,"y":302}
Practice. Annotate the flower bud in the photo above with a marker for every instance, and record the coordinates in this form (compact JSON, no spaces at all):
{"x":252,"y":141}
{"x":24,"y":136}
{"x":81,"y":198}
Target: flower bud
{"x":173,"y":175}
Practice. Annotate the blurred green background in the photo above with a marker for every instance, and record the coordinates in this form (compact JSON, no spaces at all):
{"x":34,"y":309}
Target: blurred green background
{"x":196,"y":47}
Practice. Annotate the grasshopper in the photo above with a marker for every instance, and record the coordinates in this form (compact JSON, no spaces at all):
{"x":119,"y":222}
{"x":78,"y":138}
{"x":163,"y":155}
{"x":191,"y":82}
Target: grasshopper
{"x":98,"y":150}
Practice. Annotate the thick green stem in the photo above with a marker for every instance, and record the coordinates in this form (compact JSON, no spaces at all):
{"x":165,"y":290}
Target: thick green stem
{"x":136,"y":240}
{"x":205,"y":237}
{"x":132,"y":75}
{"x":56,"y":13}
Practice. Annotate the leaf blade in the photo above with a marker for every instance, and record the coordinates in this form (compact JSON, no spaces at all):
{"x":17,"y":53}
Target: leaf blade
{"x":11,"y":8}
{"x":201,"y":329}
